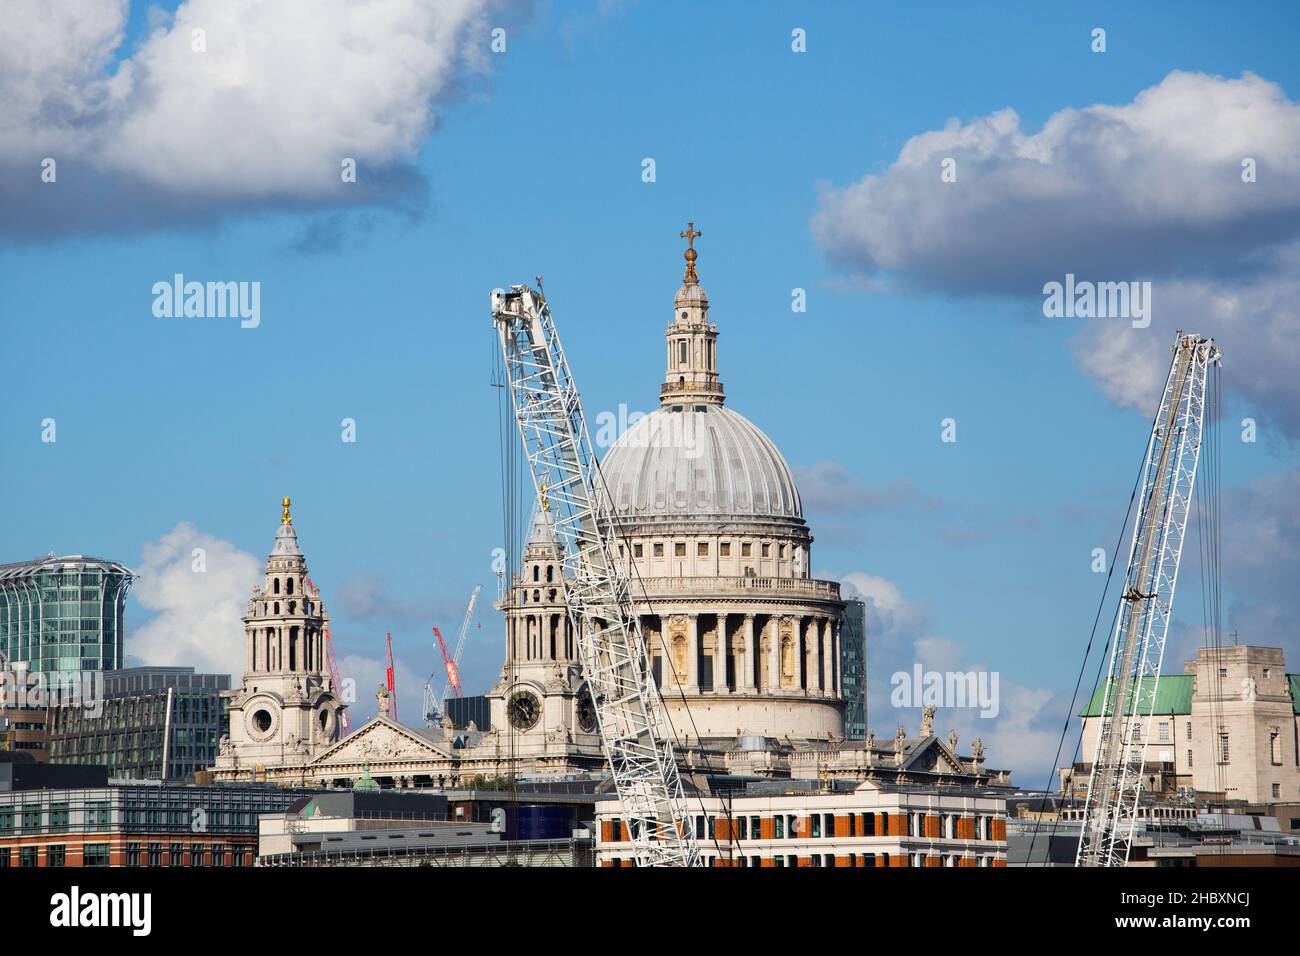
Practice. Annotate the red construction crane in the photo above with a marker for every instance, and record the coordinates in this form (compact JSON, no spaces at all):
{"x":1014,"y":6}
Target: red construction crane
{"x":331,"y":663}
{"x":392,"y":686}
{"x":345,"y":722}
{"x":449,"y":663}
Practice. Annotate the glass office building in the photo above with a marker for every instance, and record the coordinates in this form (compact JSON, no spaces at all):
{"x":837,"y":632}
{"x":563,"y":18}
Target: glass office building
{"x":63,"y":613}
{"x":853,"y":660}
{"x":157,"y":723}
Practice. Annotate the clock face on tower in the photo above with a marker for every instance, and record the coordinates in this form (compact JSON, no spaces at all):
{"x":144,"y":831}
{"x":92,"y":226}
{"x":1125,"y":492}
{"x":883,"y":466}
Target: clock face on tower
{"x":524,"y":710}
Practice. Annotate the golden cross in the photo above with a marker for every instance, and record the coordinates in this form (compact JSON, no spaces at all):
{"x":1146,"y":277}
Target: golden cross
{"x":285,"y":517}
{"x":690,"y":255}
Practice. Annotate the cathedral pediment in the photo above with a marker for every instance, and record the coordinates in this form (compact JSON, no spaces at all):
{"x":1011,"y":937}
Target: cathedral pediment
{"x":933,"y":756}
{"x":383,"y":740}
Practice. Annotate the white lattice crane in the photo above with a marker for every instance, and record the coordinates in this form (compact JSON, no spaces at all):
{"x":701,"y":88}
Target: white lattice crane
{"x":1137,"y":648}
{"x":633,"y":724}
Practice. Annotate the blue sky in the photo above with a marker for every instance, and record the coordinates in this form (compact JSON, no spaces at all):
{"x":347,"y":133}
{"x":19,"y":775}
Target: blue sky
{"x":378,"y":313}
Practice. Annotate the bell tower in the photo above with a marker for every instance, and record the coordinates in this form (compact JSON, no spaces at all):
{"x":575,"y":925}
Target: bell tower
{"x":691,"y":377}
{"x":285,"y":710}
{"x":541,"y":700}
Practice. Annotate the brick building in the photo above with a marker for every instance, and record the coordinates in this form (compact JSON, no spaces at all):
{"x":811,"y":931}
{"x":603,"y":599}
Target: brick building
{"x":97,"y":824}
{"x":793,"y":823}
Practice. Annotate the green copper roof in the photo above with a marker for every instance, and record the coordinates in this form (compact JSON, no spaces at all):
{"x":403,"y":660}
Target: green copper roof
{"x":1173,"y":696}
{"x":1294,"y":680}
{"x":365,"y":782}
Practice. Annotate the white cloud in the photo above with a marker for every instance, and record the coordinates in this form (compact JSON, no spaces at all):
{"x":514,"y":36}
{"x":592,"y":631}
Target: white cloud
{"x":197,"y":620}
{"x":902,"y":633}
{"x":264,"y":115}
{"x":1148,"y":190}
{"x":1154,"y":181}
{"x":1255,"y":320}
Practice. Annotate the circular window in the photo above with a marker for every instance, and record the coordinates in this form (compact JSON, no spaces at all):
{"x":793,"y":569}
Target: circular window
{"x":262,"y":721}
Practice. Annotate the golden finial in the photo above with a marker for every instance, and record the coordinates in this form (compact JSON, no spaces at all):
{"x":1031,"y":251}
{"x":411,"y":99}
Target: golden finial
{"x":285,"y":517}
{"x":690,"y":255}
{"x":546,"y":502}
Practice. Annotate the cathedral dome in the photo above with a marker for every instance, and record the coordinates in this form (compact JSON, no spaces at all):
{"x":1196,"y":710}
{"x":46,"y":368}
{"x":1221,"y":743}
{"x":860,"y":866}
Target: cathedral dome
{"x":702,"y":462}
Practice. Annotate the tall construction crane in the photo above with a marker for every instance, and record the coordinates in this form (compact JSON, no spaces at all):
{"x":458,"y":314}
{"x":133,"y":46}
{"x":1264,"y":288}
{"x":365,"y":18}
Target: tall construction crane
{"x":630,"y":714}
{"x":1137,"y":648}
{"x":434,"y":705}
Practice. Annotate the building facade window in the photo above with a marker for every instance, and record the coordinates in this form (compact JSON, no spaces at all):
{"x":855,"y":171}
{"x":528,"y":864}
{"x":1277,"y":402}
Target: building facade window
{"x":56,"y":855}
{"x":95,"y":854}
{"x":1223,"y":748}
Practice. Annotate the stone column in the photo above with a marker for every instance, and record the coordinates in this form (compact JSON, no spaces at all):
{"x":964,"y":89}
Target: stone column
{"x":547,"y":623}
{"x":834,"y":633}
{"x":745,"y":681}
{"x":692,"y":654}
{"x":815,"y":658}
{"x":774,"y":653}
{"x":720,"y":656}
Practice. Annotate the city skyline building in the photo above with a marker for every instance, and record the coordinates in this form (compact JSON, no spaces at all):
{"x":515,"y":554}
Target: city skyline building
{"x":155,"y":723}
{"x":63,"y":613}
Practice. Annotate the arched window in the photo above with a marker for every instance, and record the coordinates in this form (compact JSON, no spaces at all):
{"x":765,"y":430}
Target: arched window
{"x":289,"y":585}
{"x":293,"y":605}
{"x":277,"y":607}
{"x":550,"y":572}
{"x":537,"y":570}
{"x":275,"y":585}
{"x":681,"y":352}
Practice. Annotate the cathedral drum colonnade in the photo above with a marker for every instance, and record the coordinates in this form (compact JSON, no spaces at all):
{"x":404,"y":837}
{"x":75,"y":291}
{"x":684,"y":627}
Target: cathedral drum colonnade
{"x":711,"y":531}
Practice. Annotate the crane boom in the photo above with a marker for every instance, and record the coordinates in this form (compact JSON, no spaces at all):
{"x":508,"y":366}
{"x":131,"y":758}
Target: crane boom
{"x":453,"y":667}
{"x":633,"y":724}
{"x":1137,"y":648}
{"x":390,"y":679}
